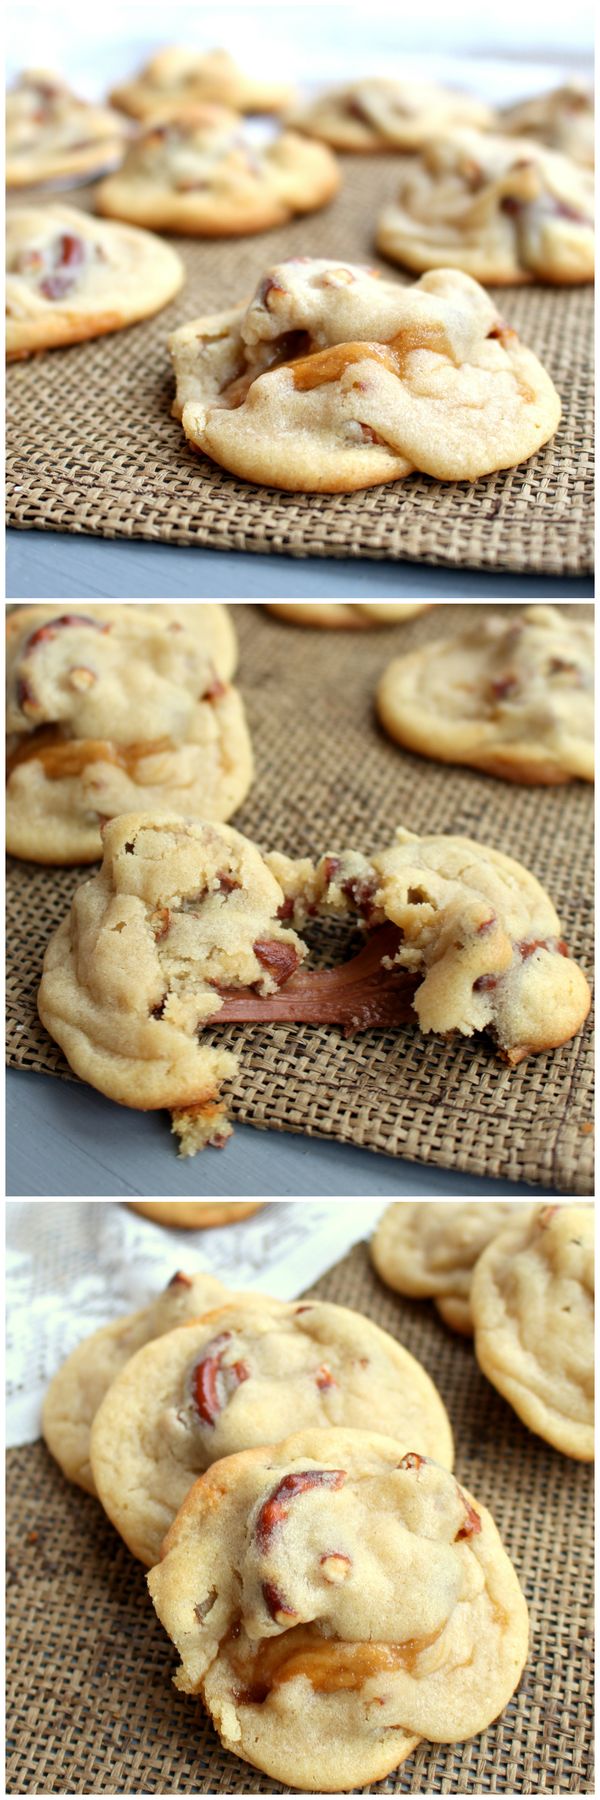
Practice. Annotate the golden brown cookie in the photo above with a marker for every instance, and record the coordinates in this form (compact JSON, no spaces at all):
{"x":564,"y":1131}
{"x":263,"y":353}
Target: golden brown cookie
{"x":355,"y":615}
{"x":331,"y":379}
{"x":428,"y":1250}
{"x":71,"y":276}
{"x":532,"y":1298}
{"x":379,"y":114}
{"x":115,"y":706}
{"x":79,"y":1387}
{"x":176,"y":79}
{"x":204,"y":174}
{"x":51,"y":134}
{"x":562,"y":118}
{"x":333,"y":1599}
{"x":224,"y":1383}
{"x":194,"y":1215}
{"x":506,"y":210}
{"x":513,"y":695}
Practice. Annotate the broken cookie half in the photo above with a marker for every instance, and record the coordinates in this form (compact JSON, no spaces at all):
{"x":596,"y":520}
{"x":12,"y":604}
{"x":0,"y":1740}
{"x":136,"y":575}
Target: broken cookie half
{"x":330,"y":378}
{"x":188,"y":924}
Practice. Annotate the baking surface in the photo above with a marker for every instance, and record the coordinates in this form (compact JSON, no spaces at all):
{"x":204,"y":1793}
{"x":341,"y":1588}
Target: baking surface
{"x":91,"y":1707}
{"x":92,"y":447}
{"x":327,"y":777}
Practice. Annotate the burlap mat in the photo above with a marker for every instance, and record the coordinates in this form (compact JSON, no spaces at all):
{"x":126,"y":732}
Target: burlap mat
{"x":92,"y":447}
{"x":90,"y":1706}
{"x":326,"y":776}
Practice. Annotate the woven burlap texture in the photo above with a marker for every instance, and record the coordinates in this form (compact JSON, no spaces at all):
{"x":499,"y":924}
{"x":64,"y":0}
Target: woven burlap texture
{"x":92,"y":446}
{"x":326,"y":777}
{"x":90,"y":1706}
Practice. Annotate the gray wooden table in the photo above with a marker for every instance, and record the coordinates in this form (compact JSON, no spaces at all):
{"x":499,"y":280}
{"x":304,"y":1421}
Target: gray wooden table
{"x":63,"y":1139}
{"x":46,"y":565}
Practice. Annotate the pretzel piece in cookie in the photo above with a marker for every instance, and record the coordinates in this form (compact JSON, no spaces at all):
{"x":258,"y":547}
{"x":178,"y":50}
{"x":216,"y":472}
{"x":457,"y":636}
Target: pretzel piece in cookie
{"x":334,"y":1598}
{"x":71,"y":276}
{"x":333,"y":379}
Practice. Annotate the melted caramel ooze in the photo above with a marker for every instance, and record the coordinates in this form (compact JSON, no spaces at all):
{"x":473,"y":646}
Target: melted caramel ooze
{"x":330,"y":1666}
{"x":63,"y":757}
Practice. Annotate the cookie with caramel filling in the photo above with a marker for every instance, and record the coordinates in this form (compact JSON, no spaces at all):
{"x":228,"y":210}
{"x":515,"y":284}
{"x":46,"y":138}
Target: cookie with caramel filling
{"x":115,"y":706}
{"x":506,"y":210}
{"x":511,"y":695}
{"x":331,"y":378}
{"x":335,"y":1598}
{"x":459,"y":937}
{"x":532,"y":1299}
{"x":79,"y":1387}
{"x":225,"y":1383}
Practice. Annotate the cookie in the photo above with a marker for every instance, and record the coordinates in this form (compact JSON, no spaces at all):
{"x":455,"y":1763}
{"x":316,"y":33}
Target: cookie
{"x":51,"y":134}
{"x":79,"y":1388}
{"x":116,"y":706}
{"x":335,"y":1598}
{"x":193,"y":909}
{"x":71,"y":276}
{"x":202,"y":173}
{"x":332,"y":379}
{"x":504,"y":209}
{"x":563,"y":119}
{"x":389,"y":115}
{"x":532,"y":1298}
{"x":511,"y":695}
{"x":477,"y":938}
{"x":459,"y":938}
{"x":429,"y":1250}
{"x":242,"y":1374}
{"x":356,"y":614}
{"x":176,"y":79}
{"x":193,"y":1215}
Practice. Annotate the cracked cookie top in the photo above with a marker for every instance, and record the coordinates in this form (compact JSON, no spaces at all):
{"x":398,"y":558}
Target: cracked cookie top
{"x":111,"y":705}
{"x":50,"y":132}
{"x":333,"y":378}
{"x":501,"y":208}
{"x":429,"y":1250}
{"x":335,"y":1598}
{"x":532,"y":1298}
{"x":226,"y":1383}
{"x":389,"y":115}
{"x":511,"y":695}
{"x":176,"y":79}
{"x":79,"y":1387}
{"x":207,"y":172}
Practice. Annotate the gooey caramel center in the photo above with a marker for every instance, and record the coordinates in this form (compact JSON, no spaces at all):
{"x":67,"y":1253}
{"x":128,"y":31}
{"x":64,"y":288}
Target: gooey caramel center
{"x":330,"y":1666}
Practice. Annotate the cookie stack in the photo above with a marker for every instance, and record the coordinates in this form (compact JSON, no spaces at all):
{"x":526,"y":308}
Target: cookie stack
{"x":520,"y":1280}
{"x":324,"y":1589}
